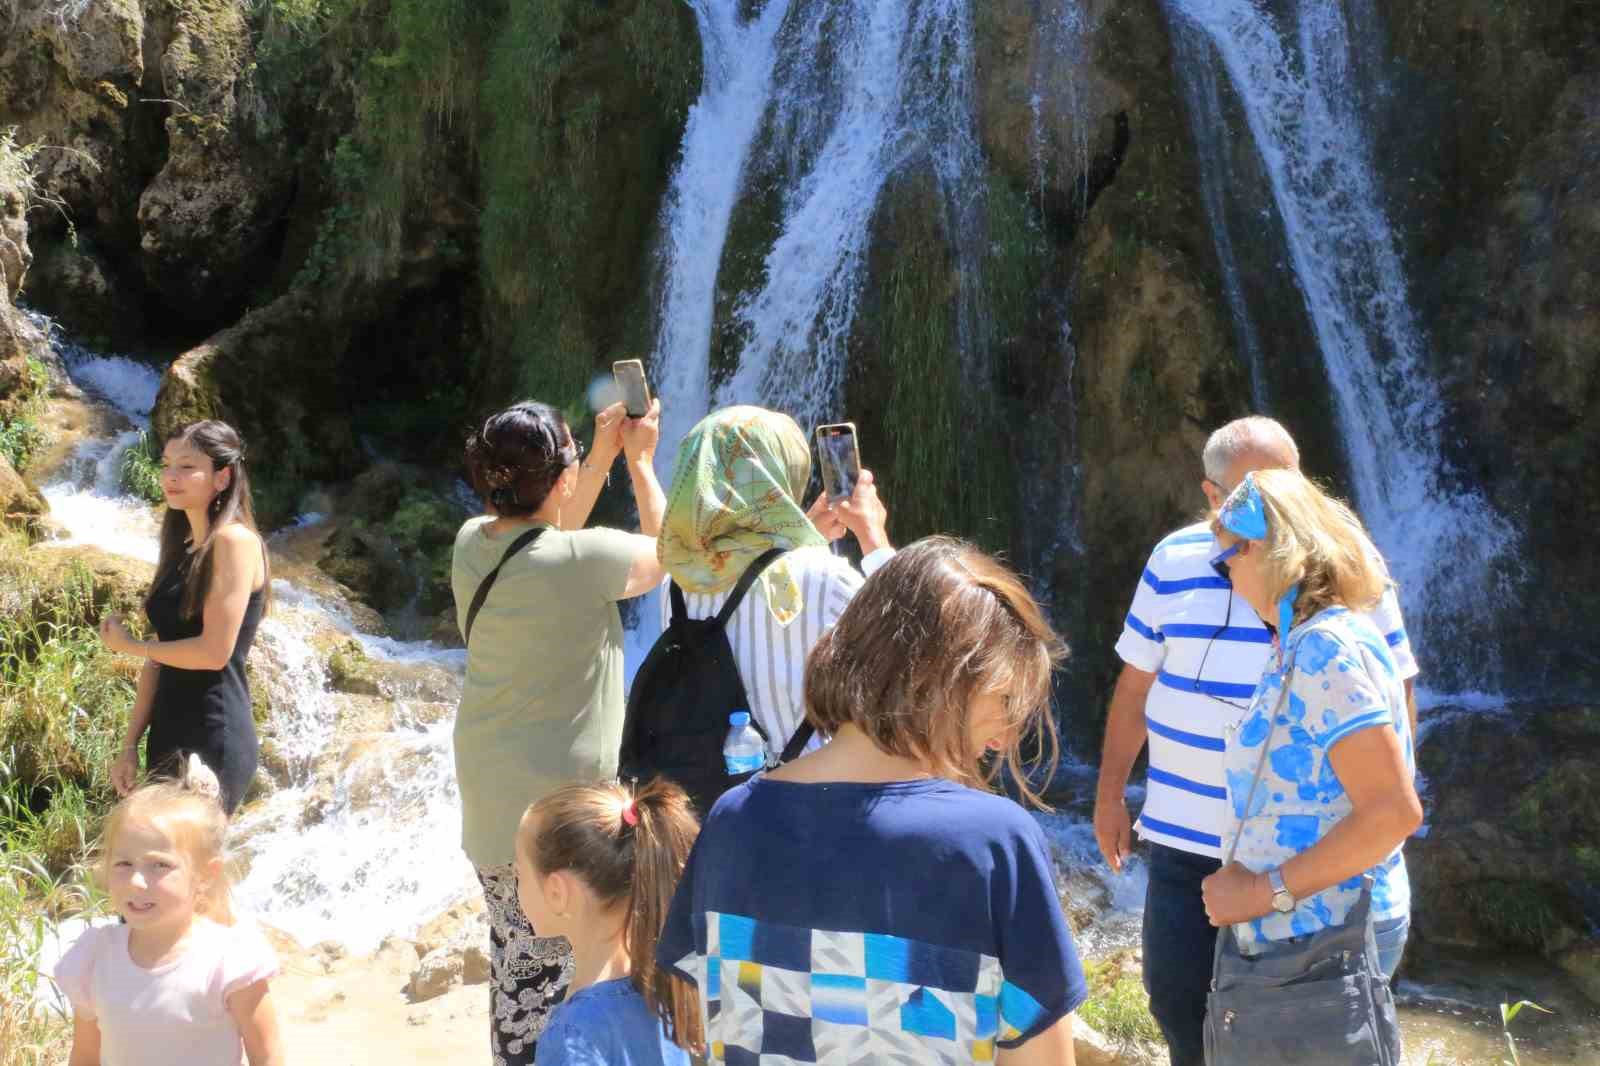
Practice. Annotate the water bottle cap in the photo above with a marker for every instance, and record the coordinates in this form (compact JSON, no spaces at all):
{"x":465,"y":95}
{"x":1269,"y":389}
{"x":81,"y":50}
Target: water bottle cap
{"x":739,"y":718}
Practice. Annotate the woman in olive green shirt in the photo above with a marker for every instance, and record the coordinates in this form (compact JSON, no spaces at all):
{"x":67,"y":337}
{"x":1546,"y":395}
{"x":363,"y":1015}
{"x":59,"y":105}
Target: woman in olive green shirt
{"x":542,"y":704}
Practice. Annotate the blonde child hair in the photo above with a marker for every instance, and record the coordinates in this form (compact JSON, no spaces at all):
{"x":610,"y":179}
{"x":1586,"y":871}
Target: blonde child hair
{"x":629,"y":848}
{"x":1313,"y":540}
{"x":190,"y":810}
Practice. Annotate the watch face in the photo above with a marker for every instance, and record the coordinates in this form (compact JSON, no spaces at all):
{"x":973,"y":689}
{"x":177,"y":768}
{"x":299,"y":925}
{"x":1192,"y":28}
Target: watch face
{"x":1282,"y":902}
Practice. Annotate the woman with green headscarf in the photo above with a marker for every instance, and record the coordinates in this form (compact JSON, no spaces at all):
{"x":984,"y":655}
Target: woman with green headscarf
{"x":737,"y":487}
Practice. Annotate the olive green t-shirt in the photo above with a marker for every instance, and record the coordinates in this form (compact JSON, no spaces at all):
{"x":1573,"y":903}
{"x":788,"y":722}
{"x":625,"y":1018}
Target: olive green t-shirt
{"x":542,"y":703}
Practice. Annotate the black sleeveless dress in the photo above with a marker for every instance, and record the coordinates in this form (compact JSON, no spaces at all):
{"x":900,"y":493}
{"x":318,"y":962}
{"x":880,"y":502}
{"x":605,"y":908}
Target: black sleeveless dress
{"x":206,"y":712}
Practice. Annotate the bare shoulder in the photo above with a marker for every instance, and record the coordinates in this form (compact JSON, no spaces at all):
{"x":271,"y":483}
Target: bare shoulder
{"x":237,"y":545}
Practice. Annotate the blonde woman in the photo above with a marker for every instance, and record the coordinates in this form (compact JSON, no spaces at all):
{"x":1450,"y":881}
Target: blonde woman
{"x":1319,"y":778}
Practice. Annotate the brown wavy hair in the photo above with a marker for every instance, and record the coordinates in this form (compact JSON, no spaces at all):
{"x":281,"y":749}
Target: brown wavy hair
{"x":582,"y":829}
{"x":939,"y":624}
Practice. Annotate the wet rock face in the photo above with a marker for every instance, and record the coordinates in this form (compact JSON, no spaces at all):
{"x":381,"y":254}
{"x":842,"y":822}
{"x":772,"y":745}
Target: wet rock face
{"x":214,"y":204}
{"x":153,"y":149}
{"x":15,"y":254}
{"x":1512,"y":857}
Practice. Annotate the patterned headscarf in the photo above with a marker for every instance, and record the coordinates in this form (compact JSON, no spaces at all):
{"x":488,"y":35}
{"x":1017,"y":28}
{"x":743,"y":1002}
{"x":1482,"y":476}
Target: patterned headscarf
{"x":736,"y":492}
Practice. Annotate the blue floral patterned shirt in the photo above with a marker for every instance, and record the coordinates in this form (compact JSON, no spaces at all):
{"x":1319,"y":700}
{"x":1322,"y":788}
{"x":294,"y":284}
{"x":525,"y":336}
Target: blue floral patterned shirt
{"x":1345,"y":680}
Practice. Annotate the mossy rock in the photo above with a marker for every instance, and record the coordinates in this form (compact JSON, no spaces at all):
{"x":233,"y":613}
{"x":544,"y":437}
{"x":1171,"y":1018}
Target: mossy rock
{"x":350,"y":670}
{"x":21,"y":506}
{"x":77,"y":585}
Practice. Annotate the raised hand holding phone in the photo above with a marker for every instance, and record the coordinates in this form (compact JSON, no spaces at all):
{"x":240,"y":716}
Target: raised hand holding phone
{"x":629,"y":374}
{"x":838,"y":459}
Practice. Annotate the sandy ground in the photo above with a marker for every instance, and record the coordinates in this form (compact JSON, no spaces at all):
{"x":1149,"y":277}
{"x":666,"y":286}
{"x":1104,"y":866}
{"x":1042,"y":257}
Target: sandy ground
{"x":355,"y":1012}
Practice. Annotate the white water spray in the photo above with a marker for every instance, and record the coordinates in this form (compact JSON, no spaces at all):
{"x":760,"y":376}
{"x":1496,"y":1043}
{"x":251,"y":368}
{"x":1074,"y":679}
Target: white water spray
{"x":861,"y":89}
{"x":1447,"y":548}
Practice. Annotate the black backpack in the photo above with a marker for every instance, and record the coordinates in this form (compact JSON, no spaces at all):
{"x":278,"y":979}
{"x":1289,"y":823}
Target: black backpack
{"x":677,"y":718}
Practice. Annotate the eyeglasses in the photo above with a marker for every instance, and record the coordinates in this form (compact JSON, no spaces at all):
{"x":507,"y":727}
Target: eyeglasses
{"x":1219,"y":563}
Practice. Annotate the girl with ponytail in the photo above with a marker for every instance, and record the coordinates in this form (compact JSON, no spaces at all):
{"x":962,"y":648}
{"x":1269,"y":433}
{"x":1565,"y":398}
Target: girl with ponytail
{"x":208,"y":596}
{"x":598,"y":864}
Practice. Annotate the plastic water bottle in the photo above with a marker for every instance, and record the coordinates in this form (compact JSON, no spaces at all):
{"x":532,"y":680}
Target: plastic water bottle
{"x":744,"y":750}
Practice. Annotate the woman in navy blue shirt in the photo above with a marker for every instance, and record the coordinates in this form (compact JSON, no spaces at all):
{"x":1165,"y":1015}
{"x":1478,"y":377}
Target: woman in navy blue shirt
{"x":872,"y":901}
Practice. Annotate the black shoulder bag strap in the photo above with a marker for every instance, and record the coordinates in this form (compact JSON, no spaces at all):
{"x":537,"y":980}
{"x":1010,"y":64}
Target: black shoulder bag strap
{"x":488,"y":582}
{"x":802,"y":736}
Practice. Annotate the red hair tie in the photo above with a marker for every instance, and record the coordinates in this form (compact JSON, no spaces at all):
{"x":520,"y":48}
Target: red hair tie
{"x":629,"y":815}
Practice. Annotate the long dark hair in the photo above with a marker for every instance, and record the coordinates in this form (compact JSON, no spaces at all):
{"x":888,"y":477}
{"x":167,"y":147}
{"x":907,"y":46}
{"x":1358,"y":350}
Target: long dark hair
{"x":629,"y":848}
{"x":516,"y":457}
{"x":220,"y":443}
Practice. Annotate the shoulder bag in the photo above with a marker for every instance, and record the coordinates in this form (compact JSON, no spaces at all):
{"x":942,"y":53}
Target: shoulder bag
{"x":1318,"y":1000}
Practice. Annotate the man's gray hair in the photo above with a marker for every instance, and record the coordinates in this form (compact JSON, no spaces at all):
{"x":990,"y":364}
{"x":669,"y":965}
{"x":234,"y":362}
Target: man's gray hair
{"x":1257,"y":433}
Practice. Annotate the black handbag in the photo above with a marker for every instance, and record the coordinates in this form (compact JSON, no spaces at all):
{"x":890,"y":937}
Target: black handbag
{"x":1319,"y":1000}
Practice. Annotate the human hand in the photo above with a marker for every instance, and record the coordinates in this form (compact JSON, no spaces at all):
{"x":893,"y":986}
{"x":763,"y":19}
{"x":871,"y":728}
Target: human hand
{"x":115,"y":635}
{"x":1234,"y":894}
{"x":125,"y":771}
{"x":825,"y":518}
{"x":864,"y":514}
{"x":608,"y":434}
{"x":1113,"y":831}
{"x":639,"y":435}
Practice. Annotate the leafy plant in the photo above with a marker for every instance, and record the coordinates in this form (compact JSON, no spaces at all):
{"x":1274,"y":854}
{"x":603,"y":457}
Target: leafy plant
{"x":1508,"y":1014}
{"x":141,"y":470}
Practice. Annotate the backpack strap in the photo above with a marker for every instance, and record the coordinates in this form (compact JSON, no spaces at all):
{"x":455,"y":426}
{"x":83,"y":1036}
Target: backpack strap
{"x":746,"y":579}
{"x":488,"y":582}
{"x":797,"y":743}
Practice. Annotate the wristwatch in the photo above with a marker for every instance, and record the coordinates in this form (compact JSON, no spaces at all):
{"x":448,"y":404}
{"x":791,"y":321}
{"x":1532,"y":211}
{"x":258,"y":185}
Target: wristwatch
{"x":1282,"y":900}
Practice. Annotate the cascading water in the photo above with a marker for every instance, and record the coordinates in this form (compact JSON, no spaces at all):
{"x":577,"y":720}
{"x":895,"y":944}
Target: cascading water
{"x":1292,"y":75}
{"x":861,"y":90}
{"x":738,"y":58}
{"x":362,"y":838}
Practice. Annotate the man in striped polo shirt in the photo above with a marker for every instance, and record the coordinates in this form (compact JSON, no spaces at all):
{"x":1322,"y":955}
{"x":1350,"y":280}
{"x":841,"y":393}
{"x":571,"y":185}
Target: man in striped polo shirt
{"x":1192,"y":653}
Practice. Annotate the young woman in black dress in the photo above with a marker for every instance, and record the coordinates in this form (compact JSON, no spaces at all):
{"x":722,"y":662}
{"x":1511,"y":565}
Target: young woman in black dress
{"x":209,"y":594}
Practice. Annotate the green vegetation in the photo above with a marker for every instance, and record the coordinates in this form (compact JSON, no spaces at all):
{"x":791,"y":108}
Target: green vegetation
{"x":948,"y":355}
{"x":1508,"y":1014}
{"x":63,"y":707}
{"x":1118,"y":1006}
{"x":21,"y":433}
{"x":30,"y":896}
{"x":1517,"y":914}
{"x":141,"y":470}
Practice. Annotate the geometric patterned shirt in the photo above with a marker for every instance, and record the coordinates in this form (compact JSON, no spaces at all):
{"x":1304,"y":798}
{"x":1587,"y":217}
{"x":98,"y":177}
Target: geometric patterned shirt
{"x":842,"y":923}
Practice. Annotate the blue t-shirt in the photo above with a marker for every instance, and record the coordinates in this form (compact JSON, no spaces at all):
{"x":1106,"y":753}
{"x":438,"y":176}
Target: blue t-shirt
{"x":1345,"y":680}
{"x":915,"y":921}
{"x":607,"y":1024}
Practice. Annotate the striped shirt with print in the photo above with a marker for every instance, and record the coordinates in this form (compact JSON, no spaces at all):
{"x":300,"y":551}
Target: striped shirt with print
{"x":771,"y":658}
{"x":1185,"y":614}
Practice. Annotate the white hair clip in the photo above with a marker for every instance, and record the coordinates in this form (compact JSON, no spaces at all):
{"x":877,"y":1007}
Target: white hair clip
{"x":197,"y":777}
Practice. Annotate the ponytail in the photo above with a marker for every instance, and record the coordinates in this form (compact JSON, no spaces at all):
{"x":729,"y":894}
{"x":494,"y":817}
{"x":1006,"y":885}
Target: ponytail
{"x":629,"y":848}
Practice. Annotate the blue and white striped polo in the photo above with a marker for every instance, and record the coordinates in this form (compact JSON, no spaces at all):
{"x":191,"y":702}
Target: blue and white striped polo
{"x":1207,"y":648}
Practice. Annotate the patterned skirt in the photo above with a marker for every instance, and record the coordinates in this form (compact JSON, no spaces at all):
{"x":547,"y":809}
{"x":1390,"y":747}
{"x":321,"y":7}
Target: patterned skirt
{"x":528,"y":974}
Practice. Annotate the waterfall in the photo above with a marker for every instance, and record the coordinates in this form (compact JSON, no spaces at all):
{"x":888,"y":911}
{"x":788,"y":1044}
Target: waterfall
{"x":862,"y":89}
{"x":1293,"y":77}
{"x":738,"y":59}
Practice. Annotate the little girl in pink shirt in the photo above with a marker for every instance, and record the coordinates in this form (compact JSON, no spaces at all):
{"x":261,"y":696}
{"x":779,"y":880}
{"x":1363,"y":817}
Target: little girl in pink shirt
{"x":179,"y":982}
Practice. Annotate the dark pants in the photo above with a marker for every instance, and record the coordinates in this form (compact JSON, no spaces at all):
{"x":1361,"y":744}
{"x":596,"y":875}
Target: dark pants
{"x":1179,"y":943}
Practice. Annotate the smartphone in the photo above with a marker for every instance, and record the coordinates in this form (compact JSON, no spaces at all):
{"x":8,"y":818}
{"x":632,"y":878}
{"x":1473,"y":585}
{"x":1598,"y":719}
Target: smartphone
{"x":838,"y":459}
{"x":635,"y":390}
